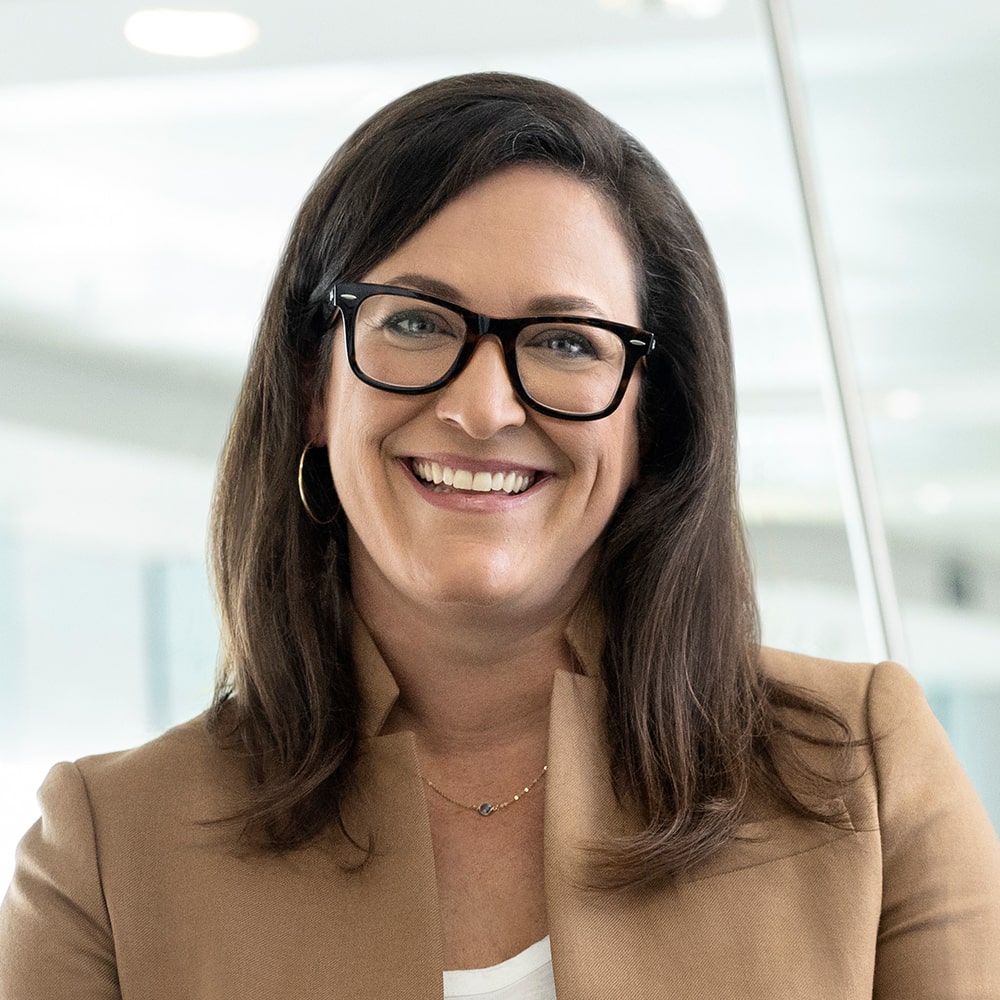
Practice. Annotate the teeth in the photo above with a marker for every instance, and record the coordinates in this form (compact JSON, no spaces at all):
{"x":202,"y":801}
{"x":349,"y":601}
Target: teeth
{"x":476,"y":482}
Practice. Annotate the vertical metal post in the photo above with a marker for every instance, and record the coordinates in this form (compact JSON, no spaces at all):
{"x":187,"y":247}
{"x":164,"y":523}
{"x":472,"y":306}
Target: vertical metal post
{"x":862,"y":511}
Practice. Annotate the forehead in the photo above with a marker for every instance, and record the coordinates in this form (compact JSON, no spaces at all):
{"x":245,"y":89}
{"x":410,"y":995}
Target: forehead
{"x":520,"y":234}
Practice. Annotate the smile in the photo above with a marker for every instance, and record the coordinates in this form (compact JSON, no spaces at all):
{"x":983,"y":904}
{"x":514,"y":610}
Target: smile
{"x":446,"y":479}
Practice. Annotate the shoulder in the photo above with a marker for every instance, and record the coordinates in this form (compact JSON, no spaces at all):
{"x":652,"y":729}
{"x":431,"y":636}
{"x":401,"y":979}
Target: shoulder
{"x":184,"y":745}
{"x":188,"y":752}
{"x":938,"y":858}
{"x":910,"y":773}
{"x":887,"y":714}
{"x":873,"y":698}
{"x":124,"y":840}
{"x":172,"y":788}
{"x":834,"y":679}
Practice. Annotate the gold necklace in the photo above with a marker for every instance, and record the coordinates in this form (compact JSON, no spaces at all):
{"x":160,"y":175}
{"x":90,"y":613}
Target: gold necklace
{"x":487,"y":808}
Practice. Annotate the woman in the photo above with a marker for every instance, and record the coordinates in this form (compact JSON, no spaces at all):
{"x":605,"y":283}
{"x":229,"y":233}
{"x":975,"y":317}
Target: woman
{"x":491,"y":688}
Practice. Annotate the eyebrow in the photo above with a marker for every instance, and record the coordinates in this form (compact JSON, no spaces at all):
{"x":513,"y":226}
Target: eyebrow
{"x":575,"y":305}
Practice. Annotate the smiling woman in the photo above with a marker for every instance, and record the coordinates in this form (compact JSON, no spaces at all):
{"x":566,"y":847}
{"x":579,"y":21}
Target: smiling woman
{"x":517,"y":234}
{"x":493,"y":718}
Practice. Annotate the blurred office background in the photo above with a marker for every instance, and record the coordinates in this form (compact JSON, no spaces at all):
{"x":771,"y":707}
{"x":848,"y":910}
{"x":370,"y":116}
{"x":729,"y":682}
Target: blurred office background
{"x":144,"y":199}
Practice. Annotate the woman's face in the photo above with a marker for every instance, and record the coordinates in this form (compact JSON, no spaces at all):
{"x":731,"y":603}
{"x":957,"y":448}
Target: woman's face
{"x":508,"y":246}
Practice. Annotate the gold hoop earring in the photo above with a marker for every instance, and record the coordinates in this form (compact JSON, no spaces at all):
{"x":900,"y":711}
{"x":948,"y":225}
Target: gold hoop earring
{"x":302,"y":490}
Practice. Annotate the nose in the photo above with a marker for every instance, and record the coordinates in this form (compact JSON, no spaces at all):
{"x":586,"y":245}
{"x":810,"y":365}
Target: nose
{"x":481,"y":400}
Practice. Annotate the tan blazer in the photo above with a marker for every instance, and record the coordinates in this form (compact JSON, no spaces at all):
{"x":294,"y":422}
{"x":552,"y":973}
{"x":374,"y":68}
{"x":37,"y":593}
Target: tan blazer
{"x":121,"y":893}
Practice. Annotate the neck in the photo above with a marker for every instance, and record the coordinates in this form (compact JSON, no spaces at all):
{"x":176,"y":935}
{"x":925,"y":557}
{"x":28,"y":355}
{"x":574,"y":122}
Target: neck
{"x":473,"y":680}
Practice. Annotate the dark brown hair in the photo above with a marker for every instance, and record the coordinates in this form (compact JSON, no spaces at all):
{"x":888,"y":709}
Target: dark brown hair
{"x":693,"y":724}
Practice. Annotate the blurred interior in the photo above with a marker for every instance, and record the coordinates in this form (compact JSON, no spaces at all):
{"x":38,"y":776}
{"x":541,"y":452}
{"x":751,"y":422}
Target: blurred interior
{"x":144,"y":200}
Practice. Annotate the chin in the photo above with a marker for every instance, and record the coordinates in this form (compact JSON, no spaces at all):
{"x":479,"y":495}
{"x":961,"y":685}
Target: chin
{"x":482,"y":590}
{"x":504,"y":587}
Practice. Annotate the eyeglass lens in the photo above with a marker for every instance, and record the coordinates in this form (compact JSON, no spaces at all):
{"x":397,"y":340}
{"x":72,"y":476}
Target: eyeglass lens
{"x":408,"y":343}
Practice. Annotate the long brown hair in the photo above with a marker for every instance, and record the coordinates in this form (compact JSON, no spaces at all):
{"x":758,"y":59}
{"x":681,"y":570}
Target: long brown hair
{"x":693,"y":723}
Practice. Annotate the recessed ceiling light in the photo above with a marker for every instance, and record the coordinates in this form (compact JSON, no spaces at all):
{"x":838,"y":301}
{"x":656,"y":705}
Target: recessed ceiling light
{"x":197,"y":34}
{"x":681,"y":8}
{"x":934,"y":498}
{"x":695,"y":8}
{"x":902,"y":404}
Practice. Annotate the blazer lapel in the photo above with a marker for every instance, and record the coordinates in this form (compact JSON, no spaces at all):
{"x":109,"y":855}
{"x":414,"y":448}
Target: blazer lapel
{"x":375,"y":931}
{"x":391,"y":923}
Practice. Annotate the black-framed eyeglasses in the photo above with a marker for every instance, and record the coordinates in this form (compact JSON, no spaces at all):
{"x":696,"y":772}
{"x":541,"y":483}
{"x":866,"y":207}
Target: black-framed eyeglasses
{"x":573,"y":367}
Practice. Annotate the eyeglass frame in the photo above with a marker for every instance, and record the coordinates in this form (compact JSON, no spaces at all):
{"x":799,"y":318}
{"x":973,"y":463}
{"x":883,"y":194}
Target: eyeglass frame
{"x":346,"y":297}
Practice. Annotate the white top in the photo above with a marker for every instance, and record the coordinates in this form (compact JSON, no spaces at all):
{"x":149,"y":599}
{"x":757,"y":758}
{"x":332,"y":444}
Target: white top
{"x":527,"y":976}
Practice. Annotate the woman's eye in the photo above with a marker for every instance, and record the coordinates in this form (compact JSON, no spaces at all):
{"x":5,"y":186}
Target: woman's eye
{"x":407,"y":325}
{"x":415,"y":323}
{"x":564,"y":344}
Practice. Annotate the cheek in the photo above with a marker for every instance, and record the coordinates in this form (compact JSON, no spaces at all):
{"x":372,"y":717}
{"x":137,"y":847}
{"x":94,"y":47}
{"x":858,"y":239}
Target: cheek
{"x":361,"y":424}
{"x":605,"y":459}
{"x":628,"y":467}
{"x":341,"y":427}
{"x":325,"y":412}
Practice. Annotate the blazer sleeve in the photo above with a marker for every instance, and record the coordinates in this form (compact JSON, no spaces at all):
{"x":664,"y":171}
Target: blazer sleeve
{"x":939,"y":934}
{"x":55,"y":931}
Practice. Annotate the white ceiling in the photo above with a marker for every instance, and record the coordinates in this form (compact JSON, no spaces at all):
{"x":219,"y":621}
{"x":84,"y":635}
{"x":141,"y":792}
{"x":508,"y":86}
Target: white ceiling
{"x":144,"y":200}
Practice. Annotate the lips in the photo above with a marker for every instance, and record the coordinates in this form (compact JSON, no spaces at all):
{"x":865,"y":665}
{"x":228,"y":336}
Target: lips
{"x":445,"y":478}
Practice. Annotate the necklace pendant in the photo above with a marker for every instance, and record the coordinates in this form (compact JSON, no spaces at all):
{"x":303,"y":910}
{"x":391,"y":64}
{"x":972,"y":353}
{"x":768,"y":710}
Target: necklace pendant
{"x":486,"y":808}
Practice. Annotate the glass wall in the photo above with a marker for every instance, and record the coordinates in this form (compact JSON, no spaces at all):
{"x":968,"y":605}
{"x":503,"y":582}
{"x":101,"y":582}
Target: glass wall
{"x":907,"y":143}
{"x":143,"y":204}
